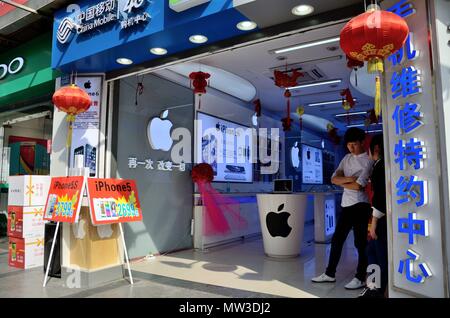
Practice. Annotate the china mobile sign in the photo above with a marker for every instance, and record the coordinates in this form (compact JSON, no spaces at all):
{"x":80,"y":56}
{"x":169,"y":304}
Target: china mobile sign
{"x":415,"y":202}
{"x":126,"y":12}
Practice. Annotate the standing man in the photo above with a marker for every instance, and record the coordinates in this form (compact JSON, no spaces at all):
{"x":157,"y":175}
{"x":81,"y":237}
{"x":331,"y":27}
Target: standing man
{"x":377,"y":248}
{"x":352,"y":174}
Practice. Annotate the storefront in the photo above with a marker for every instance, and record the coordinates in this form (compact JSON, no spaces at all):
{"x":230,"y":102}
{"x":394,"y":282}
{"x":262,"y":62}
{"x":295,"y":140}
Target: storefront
{"x":27,"y":83}
{"x":148,"y":110}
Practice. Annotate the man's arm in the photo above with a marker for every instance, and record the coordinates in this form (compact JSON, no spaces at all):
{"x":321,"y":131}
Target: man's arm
{"x":340,"y":180}
{"x":353,"y":186}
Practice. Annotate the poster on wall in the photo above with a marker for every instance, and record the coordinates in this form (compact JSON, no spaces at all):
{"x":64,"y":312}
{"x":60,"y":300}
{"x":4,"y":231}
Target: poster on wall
{"x":312,"y":165}
{"x":64,"y":199}
{"x":86,"y":128}
{"x":113,"y":201}
{"x":233,"y":161}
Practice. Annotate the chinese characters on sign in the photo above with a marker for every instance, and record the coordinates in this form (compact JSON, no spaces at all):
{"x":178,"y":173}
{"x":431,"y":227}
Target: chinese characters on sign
{"x":103,"y":13}
{"x":149,"y":164}
{"x":409,"y":151}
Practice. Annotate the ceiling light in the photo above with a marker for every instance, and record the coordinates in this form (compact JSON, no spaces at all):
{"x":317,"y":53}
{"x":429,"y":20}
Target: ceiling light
{"x":350,"y":114}
{"x":361,"y":125}
{"x":316,"y":84}
{"x":302,"y":9}
{"x":375,"y":131}
{"x":124,"y":61}
{"x":158,"y":51}
{"x":246,"y":25}
{"x":329,"y":102}
{"x":305,"y":45}
{"x":198,"y":39}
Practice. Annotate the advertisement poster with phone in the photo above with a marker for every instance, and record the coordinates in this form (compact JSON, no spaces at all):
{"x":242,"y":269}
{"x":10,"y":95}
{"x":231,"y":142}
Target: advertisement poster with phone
{"x":231,"y":163}
{"x":86,"y":128}
{"x":64,"y":199}
{"x":113,"y":201}
{"x":312,"y":165}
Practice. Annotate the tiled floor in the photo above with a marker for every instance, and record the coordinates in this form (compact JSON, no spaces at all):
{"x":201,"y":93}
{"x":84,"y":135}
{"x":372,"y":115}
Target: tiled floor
{"x":237,"y":270}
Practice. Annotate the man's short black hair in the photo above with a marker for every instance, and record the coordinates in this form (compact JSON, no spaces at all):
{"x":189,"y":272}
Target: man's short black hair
{"x":354,"y":134}
{"x":377,"y":140}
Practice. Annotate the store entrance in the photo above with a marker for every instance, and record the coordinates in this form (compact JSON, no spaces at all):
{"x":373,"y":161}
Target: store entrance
{"x":243,"y":93}
{"x":25,"y":147}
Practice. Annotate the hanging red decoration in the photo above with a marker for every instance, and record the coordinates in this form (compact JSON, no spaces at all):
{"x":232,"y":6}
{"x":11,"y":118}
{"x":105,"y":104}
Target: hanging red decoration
{"x":332,"y":134}
{"x":257,"y":104}
{"x":284,"y":80}
{"x":373,"y":36}
{"x":73,"y":101}
{"x":199,"y":81}
{"x":347,"y":102}
{"x":355,"y":65}
{"x":216,"y":204}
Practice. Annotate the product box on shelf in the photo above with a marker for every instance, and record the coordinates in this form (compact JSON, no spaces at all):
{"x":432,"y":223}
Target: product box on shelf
{"x":28,"y":190}
{"x":26,"y":253}
{"x":26,"y":222}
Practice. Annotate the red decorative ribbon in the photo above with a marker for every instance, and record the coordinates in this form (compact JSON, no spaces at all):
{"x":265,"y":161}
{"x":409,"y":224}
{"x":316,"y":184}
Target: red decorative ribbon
{"x":220,"y":210}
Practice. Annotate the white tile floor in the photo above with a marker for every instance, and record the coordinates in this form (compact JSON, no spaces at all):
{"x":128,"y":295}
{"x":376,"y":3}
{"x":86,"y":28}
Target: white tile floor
{"x":238,"y":270}
{"x":244,"y":266}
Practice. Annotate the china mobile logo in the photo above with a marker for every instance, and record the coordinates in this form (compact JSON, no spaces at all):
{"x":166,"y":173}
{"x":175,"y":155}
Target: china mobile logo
{"x":234,"y":145}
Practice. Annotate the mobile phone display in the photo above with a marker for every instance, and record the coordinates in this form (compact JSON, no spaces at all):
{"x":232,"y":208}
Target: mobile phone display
{"x":51,"y":206}
{"x":13,"y":252}
{"x":13,"y":221}
{"x":90,"y":159}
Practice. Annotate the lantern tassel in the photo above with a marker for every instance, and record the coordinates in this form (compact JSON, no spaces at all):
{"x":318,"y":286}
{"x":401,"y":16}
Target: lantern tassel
{"x":70,"y":119}
{"x":377,"y":97}
{"x":375,"y":65}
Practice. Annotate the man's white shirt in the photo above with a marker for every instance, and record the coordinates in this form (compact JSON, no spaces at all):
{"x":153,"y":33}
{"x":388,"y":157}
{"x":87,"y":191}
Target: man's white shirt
{"x":359,"y":166}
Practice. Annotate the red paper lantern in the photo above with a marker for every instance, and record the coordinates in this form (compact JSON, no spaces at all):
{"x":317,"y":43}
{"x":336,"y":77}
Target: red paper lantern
{"x":73,"y":101}
{"x":199,"y":81}
{"x":373,"y":36}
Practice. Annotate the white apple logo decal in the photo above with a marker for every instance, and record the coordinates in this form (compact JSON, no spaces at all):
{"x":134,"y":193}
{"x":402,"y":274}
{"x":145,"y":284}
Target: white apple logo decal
{"x":104,"y":231}
{"x":295,"y":159}
{"x":158,"y":132}
{"x":78,"y":229}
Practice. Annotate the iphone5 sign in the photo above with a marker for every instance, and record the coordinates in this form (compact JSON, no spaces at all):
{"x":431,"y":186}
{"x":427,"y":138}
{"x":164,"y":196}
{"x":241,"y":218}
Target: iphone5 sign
{"x":113,"y":201}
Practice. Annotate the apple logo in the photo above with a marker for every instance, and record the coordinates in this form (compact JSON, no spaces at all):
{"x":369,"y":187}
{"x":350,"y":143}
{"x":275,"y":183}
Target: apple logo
{"x":78,"y":229}
{"x":104,"y":231}
{"x":295,"y":159}
{"x":158,"y":132}
{"x":87,"y":85}
{"x":277,"y":224}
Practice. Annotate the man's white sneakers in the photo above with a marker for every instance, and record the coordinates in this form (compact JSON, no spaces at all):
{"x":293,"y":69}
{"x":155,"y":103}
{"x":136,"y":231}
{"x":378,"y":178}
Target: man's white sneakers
{"x":355,"y":284}
{"x":324,"y":278}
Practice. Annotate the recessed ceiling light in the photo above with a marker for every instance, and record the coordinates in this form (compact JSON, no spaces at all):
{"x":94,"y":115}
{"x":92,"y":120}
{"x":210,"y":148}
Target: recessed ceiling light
{"x":246,"y":25}
{"x":302,"y":9}
{"x":124,"y":61}
{"x":316,"y":84}
{"x":198,"y":39}
{"x":158,"y":51}
{"x":305,"y":45}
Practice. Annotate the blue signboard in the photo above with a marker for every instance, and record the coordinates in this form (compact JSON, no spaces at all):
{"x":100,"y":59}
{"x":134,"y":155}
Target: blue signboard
{"x":92,"y":34}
